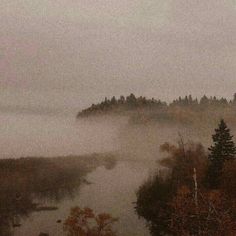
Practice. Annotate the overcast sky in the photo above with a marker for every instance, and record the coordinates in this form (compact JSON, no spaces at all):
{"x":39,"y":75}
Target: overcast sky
{"x":66,"y":54}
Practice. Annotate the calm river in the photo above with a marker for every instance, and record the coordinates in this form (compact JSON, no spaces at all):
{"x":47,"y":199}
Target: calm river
{"x":111,"y":191}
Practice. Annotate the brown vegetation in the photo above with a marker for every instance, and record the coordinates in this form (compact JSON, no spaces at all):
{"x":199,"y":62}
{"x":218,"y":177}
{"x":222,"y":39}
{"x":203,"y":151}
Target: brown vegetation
{"x":84,"y":222}
{"x":181,"y":203}
{"x":22,"y":180}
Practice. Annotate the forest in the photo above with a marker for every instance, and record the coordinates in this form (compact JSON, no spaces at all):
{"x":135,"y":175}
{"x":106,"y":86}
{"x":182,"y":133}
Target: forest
{"x":184,"y":110}
{"x":194,"y":192}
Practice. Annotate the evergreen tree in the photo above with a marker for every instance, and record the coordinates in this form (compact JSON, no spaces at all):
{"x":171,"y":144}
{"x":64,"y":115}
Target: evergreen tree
{"x":131,"y":100}
{"x":121,"y":100}
{"x":190,"y":99}
{"x":113,"y":100}
{"x":222,"y":150}
{"x":234,"y":101}
{"x":204,"y":101}
{"x":186,"y":102}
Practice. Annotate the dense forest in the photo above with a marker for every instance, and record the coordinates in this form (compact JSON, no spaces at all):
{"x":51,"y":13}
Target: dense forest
{"x":185,"y":110}
{"x":195,"y":192}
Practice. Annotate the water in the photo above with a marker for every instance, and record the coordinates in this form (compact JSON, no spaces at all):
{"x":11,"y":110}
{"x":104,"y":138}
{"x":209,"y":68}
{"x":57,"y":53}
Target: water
{"x":44,"y":135}
{"x":111,"y":191}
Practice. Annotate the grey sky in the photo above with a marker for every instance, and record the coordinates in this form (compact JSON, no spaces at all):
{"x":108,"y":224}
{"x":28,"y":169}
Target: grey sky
{"x":66,"y":54}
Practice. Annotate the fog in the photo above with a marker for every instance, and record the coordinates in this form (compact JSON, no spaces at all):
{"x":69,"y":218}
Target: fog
{"x":68,"y":54}
{"x":50,"y":135}
{"x":58,"y":57}
{"x":43,"y":134}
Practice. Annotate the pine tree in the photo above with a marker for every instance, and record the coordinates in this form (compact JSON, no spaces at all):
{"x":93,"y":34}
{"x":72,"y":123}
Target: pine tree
{"x":222,"y":150}
{"x":234,"y":101}
{"x":204,"y":101}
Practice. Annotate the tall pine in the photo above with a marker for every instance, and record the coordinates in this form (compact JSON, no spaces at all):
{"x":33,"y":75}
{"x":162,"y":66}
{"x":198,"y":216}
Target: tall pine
{"x":223,"y":149}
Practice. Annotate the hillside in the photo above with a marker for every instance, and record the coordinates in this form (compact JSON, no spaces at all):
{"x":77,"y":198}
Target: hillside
{"x":182,"y":110}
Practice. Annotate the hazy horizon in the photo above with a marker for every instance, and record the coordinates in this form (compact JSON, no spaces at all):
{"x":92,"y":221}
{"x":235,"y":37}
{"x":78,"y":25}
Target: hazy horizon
{"x":58,"y":57}
{"x":62,"y":55}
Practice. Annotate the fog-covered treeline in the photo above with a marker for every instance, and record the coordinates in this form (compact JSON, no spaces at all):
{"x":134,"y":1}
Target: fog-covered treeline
{"x":185,"y":110}
{"x":132,"y":102}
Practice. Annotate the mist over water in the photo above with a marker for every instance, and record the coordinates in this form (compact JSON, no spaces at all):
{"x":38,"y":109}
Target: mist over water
{"x":46,"y":135}
{"x":58,"y":57}
{"x":136,"y":149}
{"x":59,"y":135}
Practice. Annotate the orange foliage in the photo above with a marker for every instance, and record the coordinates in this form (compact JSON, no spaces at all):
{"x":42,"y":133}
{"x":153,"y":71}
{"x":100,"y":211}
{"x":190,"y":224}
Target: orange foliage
{"x":213,"y":214}
{"x":182,"y":159}
{"x":84,"y":222}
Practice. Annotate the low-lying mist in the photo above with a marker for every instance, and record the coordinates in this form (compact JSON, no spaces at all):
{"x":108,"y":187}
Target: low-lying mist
{"x":42,"y":135}
{"x":143,"y":141}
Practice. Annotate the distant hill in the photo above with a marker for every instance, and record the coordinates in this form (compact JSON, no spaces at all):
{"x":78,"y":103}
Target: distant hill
{"x":121,"y":105}
{"x":184,"y":109}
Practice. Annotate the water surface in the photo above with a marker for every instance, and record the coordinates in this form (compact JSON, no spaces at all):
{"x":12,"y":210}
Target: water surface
{"x":112,"y":191}
{"x":50,"y":135}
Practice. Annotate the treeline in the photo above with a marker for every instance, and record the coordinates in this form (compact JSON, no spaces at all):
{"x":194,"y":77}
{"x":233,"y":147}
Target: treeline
{"x":131,"y":103}
{"x":121,"y":104}
{"x":202,"y":102}
{"x":194,"y":193}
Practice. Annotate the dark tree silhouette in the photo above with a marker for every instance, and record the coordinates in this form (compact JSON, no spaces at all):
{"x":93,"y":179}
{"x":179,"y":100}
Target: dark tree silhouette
{"x":222,"y":150}
{"x":179,"y":110}
{"x":121,"y":100}
{"x":204,"y":101}
{"x":234,"y":101}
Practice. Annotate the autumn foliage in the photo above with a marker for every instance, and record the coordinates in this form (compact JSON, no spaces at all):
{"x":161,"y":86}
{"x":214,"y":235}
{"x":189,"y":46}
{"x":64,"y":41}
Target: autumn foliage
{"x":84,"y":222}
{"x":213,"y":214}
{"x":177,"y":201}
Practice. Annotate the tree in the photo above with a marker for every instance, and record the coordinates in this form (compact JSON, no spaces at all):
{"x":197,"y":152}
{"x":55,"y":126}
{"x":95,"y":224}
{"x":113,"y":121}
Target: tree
{"x":131,"y":99}
{"x":156,"y":194}
{"x":234,"y":101}
{"x":121,"y":100}
{"x":190,"y":99}
{"x":204,"y":101}
{"x":213,"y":216}
{"x":222,"y":150}
{"x":175,"y":202}
{"x":84,"y":222}
{"x":113,"y":100}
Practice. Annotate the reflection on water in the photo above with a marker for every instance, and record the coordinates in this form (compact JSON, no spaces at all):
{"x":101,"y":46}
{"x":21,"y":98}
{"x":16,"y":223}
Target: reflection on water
{"x":39,"y":185}
{"x":37,"y":193}
{"x":114,"y":192}
{"x":39,"y":199}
